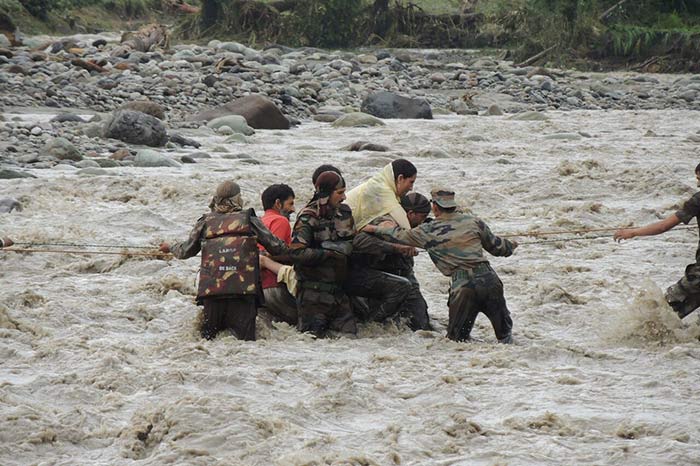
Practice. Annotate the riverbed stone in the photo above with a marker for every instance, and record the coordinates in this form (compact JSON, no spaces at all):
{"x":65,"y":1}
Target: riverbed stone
{"x":385,"y":104}
{"x":234,"y":123}
{"x":151,"y":158}
{"x":357,"y":119}
{"x":62,"y":149}
{"x":136,"y":128}
{"x":259,"y":111}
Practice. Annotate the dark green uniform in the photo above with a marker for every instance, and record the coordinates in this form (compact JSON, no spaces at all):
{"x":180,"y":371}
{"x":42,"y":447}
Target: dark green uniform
{"x":229,"y":290}
{"x":380,"y":273}
{"x":455,"y":243}
{"x":321,"y":272}
{"x":684,"y":295}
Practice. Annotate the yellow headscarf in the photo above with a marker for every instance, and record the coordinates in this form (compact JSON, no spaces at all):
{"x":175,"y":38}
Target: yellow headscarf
{"x":376,"y":197}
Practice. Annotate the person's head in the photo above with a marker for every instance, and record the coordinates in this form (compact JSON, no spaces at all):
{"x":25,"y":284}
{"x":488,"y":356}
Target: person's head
{"x":279,"y":197}
{"x":404,"y":175}
{"x":443,"y":200}
{"x":417,"y":208}
{"x":227,"y":198}
{"x":323,"y":168}
{"x":331,"y":185}
{"x":697,"y":174}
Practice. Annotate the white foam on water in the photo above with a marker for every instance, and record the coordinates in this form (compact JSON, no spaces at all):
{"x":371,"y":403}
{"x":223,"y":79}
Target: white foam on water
{"x":102,"y":362}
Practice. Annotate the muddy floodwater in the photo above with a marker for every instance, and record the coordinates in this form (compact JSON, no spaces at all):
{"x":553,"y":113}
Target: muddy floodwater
{"x":101,"y":362}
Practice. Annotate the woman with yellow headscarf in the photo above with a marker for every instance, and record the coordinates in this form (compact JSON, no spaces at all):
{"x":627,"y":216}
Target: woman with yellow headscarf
{"x":380,"y":195}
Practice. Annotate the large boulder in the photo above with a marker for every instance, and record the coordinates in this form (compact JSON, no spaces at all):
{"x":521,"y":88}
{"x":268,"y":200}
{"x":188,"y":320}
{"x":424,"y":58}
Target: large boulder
{"x":136,"y":128}
{"x":260,"y":112}
{"x":145,"y":106}
{"x":385,"y":104}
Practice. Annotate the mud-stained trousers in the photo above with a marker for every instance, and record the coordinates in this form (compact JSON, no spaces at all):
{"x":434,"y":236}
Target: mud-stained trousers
{"x":684,"y":295}
{"x":474,"y":291}
{"x":320,"y":311}
{"x":394,"y":293}
{"x":233,"y":313}
{"x":280,"y":305}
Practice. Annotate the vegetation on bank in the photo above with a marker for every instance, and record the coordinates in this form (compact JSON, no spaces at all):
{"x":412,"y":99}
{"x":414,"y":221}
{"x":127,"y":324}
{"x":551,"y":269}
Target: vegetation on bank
{"x":647,"y":32}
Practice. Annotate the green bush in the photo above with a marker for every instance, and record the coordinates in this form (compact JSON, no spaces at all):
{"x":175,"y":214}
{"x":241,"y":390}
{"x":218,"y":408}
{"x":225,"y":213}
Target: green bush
{"x":38,"y":8}
{"x":327,"y":23}
{"x":129,"y":8}
{"x":10,"y":5}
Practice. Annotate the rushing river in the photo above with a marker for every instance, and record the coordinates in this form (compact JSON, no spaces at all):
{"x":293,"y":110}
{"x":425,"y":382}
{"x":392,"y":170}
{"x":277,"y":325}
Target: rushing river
{"x":101,"y":362}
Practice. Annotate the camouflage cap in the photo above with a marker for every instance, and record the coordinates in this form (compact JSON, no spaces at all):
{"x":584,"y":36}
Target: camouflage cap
{"x":415,"y":202}
{"x":444,"y":197}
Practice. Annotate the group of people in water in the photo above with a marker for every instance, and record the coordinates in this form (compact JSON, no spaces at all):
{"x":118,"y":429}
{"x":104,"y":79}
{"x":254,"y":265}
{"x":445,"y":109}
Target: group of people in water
{"x":349,"y":257}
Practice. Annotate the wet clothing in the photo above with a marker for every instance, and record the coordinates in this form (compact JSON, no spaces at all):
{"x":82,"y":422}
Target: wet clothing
{"x":279,"y":226}
{"x":280,"y":304}
{"x":455,"y":243}
{"x":321,"y":301}
{"x":236,"y":314}
{"x":684,"y":295}
{"x":380,"y":273}
{"x":480,"y":290}
{"x":230,"y":311}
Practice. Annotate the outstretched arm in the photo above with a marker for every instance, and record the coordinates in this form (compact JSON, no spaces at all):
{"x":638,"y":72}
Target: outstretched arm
{"x":190,"y":247}
{"x":495,"y":245}
{"x":270,"y":242}
{"x":648,"y":230}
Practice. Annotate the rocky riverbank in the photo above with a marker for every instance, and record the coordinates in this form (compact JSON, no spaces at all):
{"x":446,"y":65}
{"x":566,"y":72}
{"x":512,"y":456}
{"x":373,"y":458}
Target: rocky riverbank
{"x":93,"y":76}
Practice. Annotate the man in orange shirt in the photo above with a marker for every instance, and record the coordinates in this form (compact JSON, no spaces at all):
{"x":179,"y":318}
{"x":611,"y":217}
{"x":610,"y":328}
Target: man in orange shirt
{"x":278,"y":202}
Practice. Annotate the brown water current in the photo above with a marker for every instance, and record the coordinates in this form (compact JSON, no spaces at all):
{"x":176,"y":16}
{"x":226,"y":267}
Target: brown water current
{"x":101,"y":362}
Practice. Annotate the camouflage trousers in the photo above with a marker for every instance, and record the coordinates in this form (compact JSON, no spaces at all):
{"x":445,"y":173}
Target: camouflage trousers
{"x":320,"y":311}
{"x":280,"y":305}
{"x":236,"y":314}
{"x":474,"y":291}
{"x":390,"y":295}
{"x":684,"y":295}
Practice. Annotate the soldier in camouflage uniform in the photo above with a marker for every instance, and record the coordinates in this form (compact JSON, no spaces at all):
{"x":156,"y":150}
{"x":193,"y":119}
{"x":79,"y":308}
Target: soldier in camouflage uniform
{"x":229,"y":277}
{"x":321,"y":244}
{"x":393,"y":262}
{"x":684,"y":295}
{"x":455,"y":243}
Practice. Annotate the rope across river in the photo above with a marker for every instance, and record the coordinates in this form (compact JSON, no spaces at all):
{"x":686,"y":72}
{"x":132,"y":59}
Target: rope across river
{"x":127,"y":249}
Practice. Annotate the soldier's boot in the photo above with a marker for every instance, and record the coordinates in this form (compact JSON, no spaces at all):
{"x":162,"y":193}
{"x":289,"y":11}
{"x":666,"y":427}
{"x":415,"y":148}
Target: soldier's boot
{"x":507,"y":340}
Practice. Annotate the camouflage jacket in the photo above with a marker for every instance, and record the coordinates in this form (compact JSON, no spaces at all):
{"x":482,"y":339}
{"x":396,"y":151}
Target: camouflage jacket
{"x":454,"y":241}
{"x":312,"y":262}
{"x":379,"y":254}
{"x":193,"y":244}
{"x":691,"y":209}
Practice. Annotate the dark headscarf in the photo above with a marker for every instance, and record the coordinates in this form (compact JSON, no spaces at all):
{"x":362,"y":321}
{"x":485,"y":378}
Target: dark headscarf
{"x":415,"y":202}
{"x":326,"y":184}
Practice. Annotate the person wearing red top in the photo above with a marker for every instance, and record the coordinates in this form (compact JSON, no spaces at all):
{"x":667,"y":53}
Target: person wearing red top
{"x":278,"y":202}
